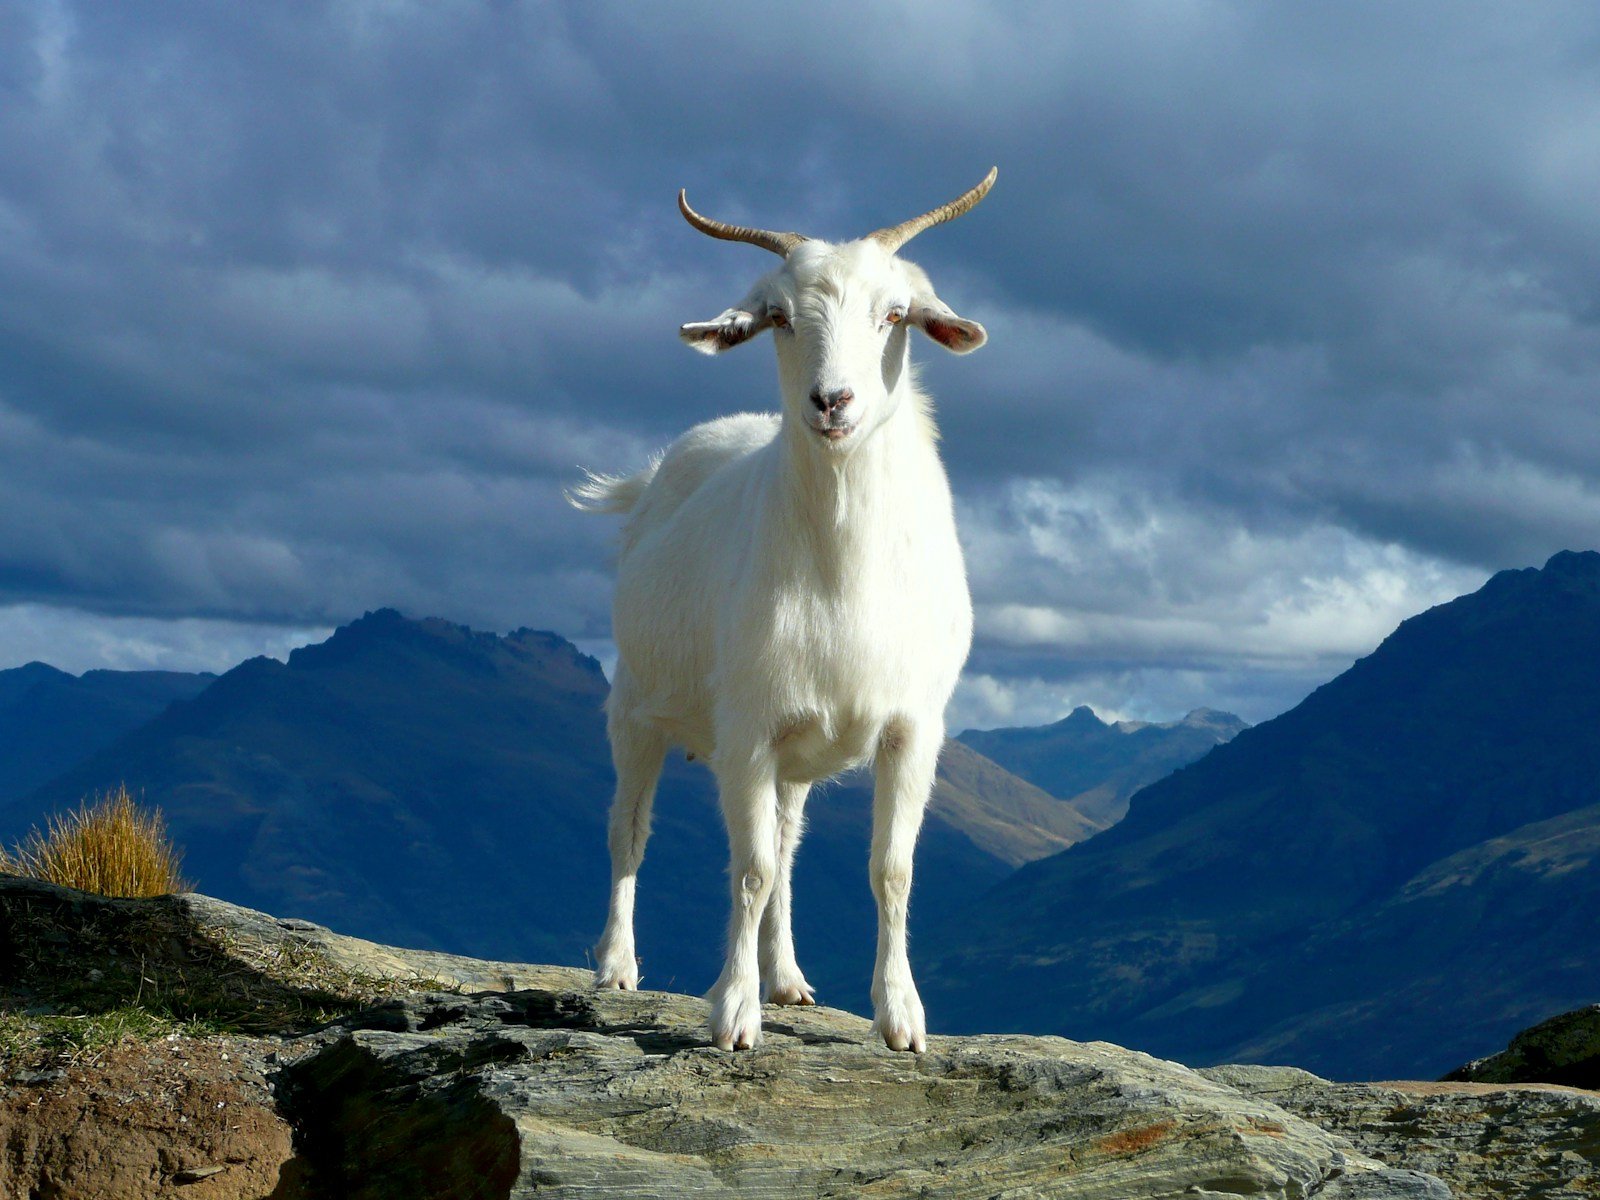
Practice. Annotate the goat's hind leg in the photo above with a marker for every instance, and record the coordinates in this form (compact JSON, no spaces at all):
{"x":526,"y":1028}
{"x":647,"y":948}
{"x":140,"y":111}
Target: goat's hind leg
{"x":781,"y":977}
{"x":637,"y":752}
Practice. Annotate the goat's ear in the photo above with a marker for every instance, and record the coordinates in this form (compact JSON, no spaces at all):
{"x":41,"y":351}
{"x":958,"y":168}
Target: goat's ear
{"x":956,"y":334}
{"x":727,"y":331}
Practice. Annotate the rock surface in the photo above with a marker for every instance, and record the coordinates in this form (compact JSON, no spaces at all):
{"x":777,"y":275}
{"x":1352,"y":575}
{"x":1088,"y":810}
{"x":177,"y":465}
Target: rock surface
{"x":537,"y":1084}
{"x":577,"y":1093}
{"x":505,"y":1080}
{"x":1488,"y":1142}
{"x":441,"y":1076}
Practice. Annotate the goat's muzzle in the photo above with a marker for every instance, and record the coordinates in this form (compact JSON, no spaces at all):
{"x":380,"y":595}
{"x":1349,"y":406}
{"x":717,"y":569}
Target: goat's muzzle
{"x":830,"y":403}
{"x":831,"y":421}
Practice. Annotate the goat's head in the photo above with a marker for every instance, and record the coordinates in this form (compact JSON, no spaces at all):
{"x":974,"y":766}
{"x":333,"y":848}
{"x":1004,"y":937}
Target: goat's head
{"x":840,"y":313}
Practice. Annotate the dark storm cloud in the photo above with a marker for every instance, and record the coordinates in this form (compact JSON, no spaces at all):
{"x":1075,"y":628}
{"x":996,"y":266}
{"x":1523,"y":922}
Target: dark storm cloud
{"x":310,"y":308}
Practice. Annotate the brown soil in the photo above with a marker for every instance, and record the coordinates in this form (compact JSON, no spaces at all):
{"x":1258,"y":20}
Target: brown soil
{"x":145,"y":1119}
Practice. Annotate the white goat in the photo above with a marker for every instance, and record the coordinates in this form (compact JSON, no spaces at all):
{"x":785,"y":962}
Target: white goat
{"x":791,"y":602}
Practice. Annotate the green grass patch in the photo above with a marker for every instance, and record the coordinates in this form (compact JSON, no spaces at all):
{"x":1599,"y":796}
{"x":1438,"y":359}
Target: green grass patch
{"x":79,"y":973}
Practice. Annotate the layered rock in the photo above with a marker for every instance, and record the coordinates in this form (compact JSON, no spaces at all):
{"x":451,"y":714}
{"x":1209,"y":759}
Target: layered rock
{"x":582,"y":1094}
{"x":1488,"y":1142}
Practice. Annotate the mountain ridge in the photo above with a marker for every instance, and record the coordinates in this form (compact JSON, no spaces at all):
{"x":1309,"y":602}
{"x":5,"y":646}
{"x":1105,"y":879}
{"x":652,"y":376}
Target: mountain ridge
{"x":1242,"y":905}
{"x":1097,"y":765}
{"x":51,"y":719}
{"x":400,"y":761}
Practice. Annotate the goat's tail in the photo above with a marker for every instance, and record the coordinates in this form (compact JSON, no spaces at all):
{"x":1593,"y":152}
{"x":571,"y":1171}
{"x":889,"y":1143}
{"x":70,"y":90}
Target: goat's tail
{"x":597,"y":493}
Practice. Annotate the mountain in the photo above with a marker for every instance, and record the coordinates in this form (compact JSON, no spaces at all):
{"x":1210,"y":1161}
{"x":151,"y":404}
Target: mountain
{"x":1001,"y":812}
{"x":50,"y":720}
{"x":1395,"y":875}
{"x":421,"y":783}
{"x":1097,"y":766}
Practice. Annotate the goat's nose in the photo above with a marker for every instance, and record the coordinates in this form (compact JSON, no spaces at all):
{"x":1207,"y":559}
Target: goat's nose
{"x":828,"y":401}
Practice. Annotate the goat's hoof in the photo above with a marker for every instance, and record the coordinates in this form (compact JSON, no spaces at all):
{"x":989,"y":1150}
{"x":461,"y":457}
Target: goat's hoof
{"x":900,"y":1022}
{"x":736,"y":1020}
{"x":739,"y":1037}
{"x":902,"y":1039}
{"x":617,"y":979}
{"x":742,"y":1039}
{"x":792,"y":993}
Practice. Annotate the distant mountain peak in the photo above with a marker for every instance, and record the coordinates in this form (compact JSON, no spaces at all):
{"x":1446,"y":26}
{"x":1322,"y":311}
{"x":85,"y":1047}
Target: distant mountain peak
{"x":379,"y":617}
{"x":388,"y":635}
{"x":37,"y":670}
{"x":1083,"y":716}
{"x":1574,"y":567}
{"x":1096,"y":766}
{"x":1213,"y":718}
{"x":383,"y":627}
{"x":258,"y":662}
{"x":1584,"y":562}
{"x":51,"y":719}
{"x":1561,"y":570}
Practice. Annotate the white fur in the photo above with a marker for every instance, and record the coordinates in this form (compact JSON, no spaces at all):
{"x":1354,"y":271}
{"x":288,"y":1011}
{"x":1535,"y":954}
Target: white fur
{"x":790,"y":604}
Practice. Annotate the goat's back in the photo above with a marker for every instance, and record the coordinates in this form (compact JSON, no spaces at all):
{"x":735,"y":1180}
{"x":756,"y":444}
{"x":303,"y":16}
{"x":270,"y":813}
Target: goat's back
{"x":692,"y":459}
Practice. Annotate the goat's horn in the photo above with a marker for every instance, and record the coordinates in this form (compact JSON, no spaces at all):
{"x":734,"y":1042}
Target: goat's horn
{"x":898,"y":235}
{"x":779,"y":243}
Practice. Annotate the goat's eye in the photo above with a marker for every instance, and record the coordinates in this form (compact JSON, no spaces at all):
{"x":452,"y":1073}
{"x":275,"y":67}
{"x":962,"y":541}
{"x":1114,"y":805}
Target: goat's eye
{"x":778,"y":318}
{"x":896,"y":315}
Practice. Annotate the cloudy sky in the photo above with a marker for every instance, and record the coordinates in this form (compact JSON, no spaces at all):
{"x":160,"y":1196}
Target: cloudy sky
{"x":310,"y":308}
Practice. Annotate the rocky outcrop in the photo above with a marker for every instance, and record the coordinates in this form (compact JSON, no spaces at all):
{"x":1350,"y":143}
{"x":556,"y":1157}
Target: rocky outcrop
{"x":1489,"y":1142}
{"x":448,"y":1077}
{"x":410,"y":1073}
{"x":581,"y":1094}
{"x":522,"y":1080}
{"x":1565,"y":1049}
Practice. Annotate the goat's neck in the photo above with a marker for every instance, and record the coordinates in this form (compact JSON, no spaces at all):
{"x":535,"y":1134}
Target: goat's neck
{"x":839,"y":505}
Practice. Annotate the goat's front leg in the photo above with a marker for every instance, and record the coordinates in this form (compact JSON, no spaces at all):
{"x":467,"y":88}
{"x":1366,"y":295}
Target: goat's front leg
{"x":750,"y":807}
{"x":782,"y":980}
{"x":907,"y":757}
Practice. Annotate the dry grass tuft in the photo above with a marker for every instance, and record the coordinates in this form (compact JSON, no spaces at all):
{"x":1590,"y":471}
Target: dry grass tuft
{"x":111,"y":847}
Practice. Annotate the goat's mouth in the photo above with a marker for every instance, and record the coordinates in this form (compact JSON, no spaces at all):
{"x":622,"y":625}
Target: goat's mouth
{"x":834,"y":433}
